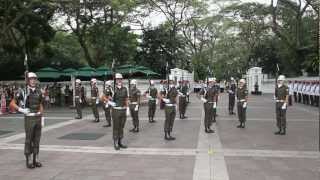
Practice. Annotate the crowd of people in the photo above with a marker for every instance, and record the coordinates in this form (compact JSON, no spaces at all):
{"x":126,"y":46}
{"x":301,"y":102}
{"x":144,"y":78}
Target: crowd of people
{"x":305,"y":92}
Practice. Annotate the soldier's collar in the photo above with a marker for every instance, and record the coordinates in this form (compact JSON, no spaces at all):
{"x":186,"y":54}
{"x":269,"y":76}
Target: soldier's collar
{"x":31,"y":88}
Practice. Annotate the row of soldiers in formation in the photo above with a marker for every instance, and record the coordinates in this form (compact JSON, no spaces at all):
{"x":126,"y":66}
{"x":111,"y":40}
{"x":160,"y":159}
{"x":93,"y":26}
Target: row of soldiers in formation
{"x":116,"y":102}
{"x":306,"y":92}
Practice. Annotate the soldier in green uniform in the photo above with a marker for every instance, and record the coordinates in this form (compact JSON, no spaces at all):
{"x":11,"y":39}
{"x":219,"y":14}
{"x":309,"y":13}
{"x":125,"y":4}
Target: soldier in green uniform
{"x":232,"y":96}
{"x":33,"y":112}
{"x":242,"y":97}
{"x":134,"y":103}
{"x":281,"y":95}
{"x":163,"y":93}
{"x":94,"y":99}
{"x":170,"y":109}
{"x":78,"y":100}
{"x":119,"y":110}
{"x":209,"y":98}
{"x":183,"y":93}
{"x":107,"y":95}
{"x":152,"y":94}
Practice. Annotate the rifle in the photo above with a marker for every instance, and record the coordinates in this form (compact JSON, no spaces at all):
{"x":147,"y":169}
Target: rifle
{"x":114,"y":74}
{"x":26,"y":77}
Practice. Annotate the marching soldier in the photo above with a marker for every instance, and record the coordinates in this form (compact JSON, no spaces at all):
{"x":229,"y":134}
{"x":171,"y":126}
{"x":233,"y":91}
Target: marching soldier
{"x":183,"y":93}
{"x":217,"y":88}
{"x":107,"y":95}
{"x":33,"y":112}
{"x":232,"y":95}
{"x":242,"y":97}
{"x":209,"y":98}
{"x":303,"y":91}
{"x":290,"y":86}
{"x":170,"y":109}
{"x":78,"y":100}
{"x":282,"y":95}
{"x":134,"y":98}
{"x":94,"y":99}
{"x":317,"y":93}
{"x":163,"y":93}
{"x":119,"y":112}
{"x":295,"y":91}
{"x":152,"y":94}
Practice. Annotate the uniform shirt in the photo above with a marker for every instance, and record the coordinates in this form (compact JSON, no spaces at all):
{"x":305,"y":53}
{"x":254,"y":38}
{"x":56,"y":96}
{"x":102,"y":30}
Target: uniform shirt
{"x":134,"y":94}
{"x":163,"y":90}
{"x":304,"y":89}
{"x":290,"y":86}
{"x":172,"y":95}
{"x":300,"y":87}
{"x":94,"y":91}
{"x":33,"y":99}
{"x":184,"y":90}
{"x":308,"y":88}
{"x":78,"y":91}
{"x":317,"y":90}
{"x":242,"y":93}
{"x":312,"y":89}
{"x":209,"y":94}
{"x":232,"y":89}
{"x":120,"y":96}
{"x":153,"y":92}
{"x":295,"y":87}
{"x":281,"y":92}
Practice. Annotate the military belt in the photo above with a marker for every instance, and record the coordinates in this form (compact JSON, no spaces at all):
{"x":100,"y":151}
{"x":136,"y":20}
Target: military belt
{"x":170,"y":105}
{"x":210,"y":102}
{"x":77,"y":96}
{"x":119,"y":108}
{"x":280,"y":100}
{"x":133,"y":102}
{"x":93,"y":97}
{"x":241,"y":100}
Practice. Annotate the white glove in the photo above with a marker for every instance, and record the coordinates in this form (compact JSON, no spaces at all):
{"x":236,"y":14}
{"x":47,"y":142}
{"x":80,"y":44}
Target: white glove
{"x":166,"y":100}
{"x":111,"y":103}
{"x":244,"y":105}
{"x":80,"y":101}
{"x":214,"y":105}
{"x":38,"y":114}
{"x":180,"y":94}
{"x":149,"y":97}
{"x":42,"y":121}
{"x":107,"y":105}
{"x":97,"y":101}
{"x":203,"y":100}
{"x":128,"y":111}
{"x":24,"y":110}
{"x":136,"y":108}
{"x":188,"y":94}
{"x":284,"y":106}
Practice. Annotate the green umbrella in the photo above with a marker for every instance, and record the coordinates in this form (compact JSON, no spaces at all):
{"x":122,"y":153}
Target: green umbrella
{"x":103,"y":71}
{"x":48,"y":73}
{"x":69,"y":72}
{"x":86,"y":71}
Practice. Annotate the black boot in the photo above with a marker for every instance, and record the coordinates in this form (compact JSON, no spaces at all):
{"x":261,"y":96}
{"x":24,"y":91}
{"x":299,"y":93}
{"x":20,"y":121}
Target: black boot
{"x":133,"y":129}
{"x":36,"y":162}
{"x":107,"y":125}
{"x":115,"y":144}
{"x":209,"y":130}
{"x":240,"y":125}
{"x":152,"y":120}
{"x":243,"y":125}
{"x":136,"y":130}
{"x":166,"y":136}
{"x":278,"y":132}
{"x":122,"y":145}
{"x":283,"y":132}
{"x":29,"y":164}
{"x":170,"y":137}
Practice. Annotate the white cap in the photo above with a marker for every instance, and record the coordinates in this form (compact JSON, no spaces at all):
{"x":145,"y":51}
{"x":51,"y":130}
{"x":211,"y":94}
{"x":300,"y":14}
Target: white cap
{"x":210,"y":79}
{"x":94,"y":80}
{"x":170,"y":78}
{"x":232,"y":79}
{"x":133,"y":81}
{"x":78,"y":81}
{"x":281,"y":78}
{"x":118,"y":76}
{"x":152,"y":82}
{"x":242,"y":81}
{"x":32,"y":75}
{"x":108,"y":83}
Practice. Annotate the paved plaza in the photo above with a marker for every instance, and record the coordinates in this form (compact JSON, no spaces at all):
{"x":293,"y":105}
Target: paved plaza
{"x":80,"y":149}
